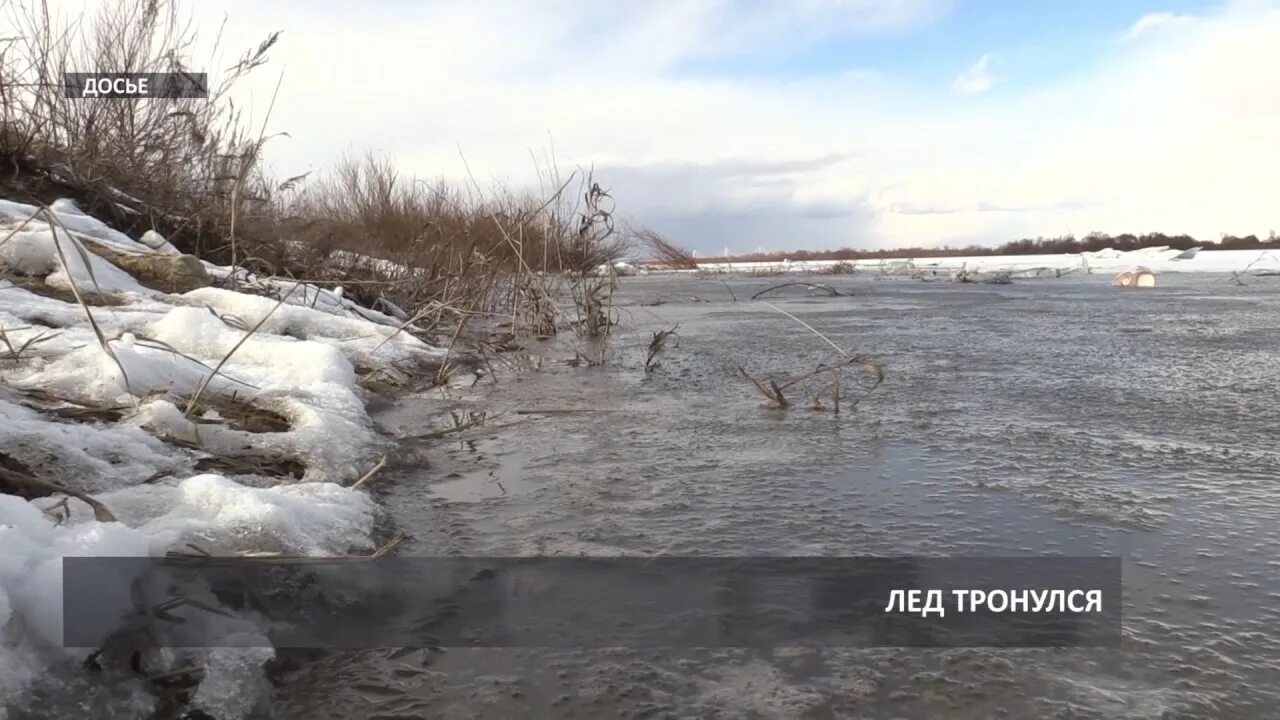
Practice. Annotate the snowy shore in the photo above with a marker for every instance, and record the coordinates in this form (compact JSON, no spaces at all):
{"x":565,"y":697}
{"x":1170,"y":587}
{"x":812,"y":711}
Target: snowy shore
{"x":103,"y":411}
{"x":1158,"y":260}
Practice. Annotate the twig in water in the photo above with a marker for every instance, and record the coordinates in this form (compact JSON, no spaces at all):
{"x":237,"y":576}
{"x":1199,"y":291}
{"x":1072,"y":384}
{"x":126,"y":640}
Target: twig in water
{"x":369,"y":475}
{"x":1238,"y":275}
{"x":808,"y":326}
{"x":773,"y":392}
{"x":658,"y":345}
{"x":814,"y":286}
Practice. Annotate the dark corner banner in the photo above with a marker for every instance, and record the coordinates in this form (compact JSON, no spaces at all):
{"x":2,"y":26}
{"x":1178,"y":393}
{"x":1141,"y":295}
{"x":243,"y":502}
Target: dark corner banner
{"x":592,"y":602}
{"x":124,"y":85}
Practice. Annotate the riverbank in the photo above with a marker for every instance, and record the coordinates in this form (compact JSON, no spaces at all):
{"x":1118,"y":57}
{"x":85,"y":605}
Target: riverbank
{"x":226,"y":416}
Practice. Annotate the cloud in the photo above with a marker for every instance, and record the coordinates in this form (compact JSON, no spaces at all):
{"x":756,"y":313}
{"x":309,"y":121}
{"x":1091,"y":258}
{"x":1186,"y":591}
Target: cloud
{"x":976,"y":79}
{"x":733,"y":27}
{"x":910,"y":208}
{"x":1154,"y":21}
{"x":1173,"y":133}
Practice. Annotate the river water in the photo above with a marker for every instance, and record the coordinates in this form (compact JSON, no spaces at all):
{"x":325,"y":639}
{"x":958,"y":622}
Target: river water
{"x":1061,"y":417}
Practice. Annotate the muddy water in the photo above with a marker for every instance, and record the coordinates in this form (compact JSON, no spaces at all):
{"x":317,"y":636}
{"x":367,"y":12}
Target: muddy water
{"x":1047,"y":417}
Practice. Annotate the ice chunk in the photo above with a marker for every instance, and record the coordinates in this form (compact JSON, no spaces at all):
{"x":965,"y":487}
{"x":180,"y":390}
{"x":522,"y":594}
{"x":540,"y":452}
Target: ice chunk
{"x":158,"y":243}
{"x":234,"y":683}
{"x":303,"y":518}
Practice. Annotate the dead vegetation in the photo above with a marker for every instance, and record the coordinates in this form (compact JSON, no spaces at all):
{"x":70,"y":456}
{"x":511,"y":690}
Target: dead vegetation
{"x":662,"y":252}
{"x":822,"y":386}
{"x":18,"y":479}
{"x":67,"y":408}
{"x":658,"y":346}
{"x":191,"y":169}
{"x":183,"y":167}
{"x":1238,"y":276}
{"x":11,"y":349}
{"x":243,"y":415}
{"x":843,"y":267}
{"x":821,"y":287}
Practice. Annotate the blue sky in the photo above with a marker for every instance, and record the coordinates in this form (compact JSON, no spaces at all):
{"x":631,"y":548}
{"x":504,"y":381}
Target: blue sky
{"x":810,"y":123}
{"x":1044,"y":40}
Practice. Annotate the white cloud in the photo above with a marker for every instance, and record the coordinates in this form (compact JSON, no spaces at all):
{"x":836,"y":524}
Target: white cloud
{"x":1154,"y":21}
{"x":1174,"y":133}
{"x":976,"y":79}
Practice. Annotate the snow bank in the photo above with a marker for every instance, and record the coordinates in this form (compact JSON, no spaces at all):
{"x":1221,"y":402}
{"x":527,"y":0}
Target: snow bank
{"x":68,"y":317}
{"x":74,"y":220}
{"x":364,"y":342}
{"x":212,"y":511}
{"x":223,"y":517}
{"x":87,"y":457}
{"x":301,"y":365}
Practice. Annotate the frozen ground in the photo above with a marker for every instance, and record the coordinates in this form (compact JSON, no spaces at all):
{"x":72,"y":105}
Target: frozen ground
{"x":104,"y":411}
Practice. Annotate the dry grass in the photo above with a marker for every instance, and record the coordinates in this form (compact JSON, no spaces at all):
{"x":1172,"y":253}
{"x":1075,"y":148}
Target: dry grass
{"x":54,"y":225}
{"x":663,"y":252}
{"x":18,"y":479}
{"x":194,"y":402}
{"x":190,"y":169}
{"x":658,"y":346}
{"x":823,"y":397}
{"x":1238,"y":276}
{"x":436,"y":256}
{"x":17,"y":352}
{"x":183,"y":167}
{"x":237,"y":414}
{"x":812,"y":286}
{"x":67,"y":408}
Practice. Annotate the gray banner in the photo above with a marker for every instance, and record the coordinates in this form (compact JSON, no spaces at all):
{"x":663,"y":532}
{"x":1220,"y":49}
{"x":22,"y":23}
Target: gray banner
{"x":135,"y":85}
{"x":590,"y":602}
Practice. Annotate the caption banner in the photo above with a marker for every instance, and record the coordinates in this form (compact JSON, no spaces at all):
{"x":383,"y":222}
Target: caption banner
{"x":593,"y":602}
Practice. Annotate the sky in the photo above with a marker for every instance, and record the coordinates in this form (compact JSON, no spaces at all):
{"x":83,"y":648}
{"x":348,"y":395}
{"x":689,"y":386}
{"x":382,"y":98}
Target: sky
{"x":744,"y":124}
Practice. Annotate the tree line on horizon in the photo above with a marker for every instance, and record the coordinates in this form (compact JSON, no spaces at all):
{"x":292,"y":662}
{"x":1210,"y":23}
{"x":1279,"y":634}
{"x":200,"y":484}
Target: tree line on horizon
{"x":1062,"y":245}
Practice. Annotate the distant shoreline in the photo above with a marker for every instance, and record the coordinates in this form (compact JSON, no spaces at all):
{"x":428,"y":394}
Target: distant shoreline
{"x":1157,"y":259}
{"x":1066,"y":245}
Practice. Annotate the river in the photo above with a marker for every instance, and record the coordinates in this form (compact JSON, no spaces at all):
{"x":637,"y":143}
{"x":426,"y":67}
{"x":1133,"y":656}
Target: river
{"x":1063,"y":417}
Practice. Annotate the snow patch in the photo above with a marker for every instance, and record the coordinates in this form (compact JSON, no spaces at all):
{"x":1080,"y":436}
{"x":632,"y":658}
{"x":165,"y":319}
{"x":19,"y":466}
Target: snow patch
{"x":362,"y":341}
{"x":301,"y":365}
